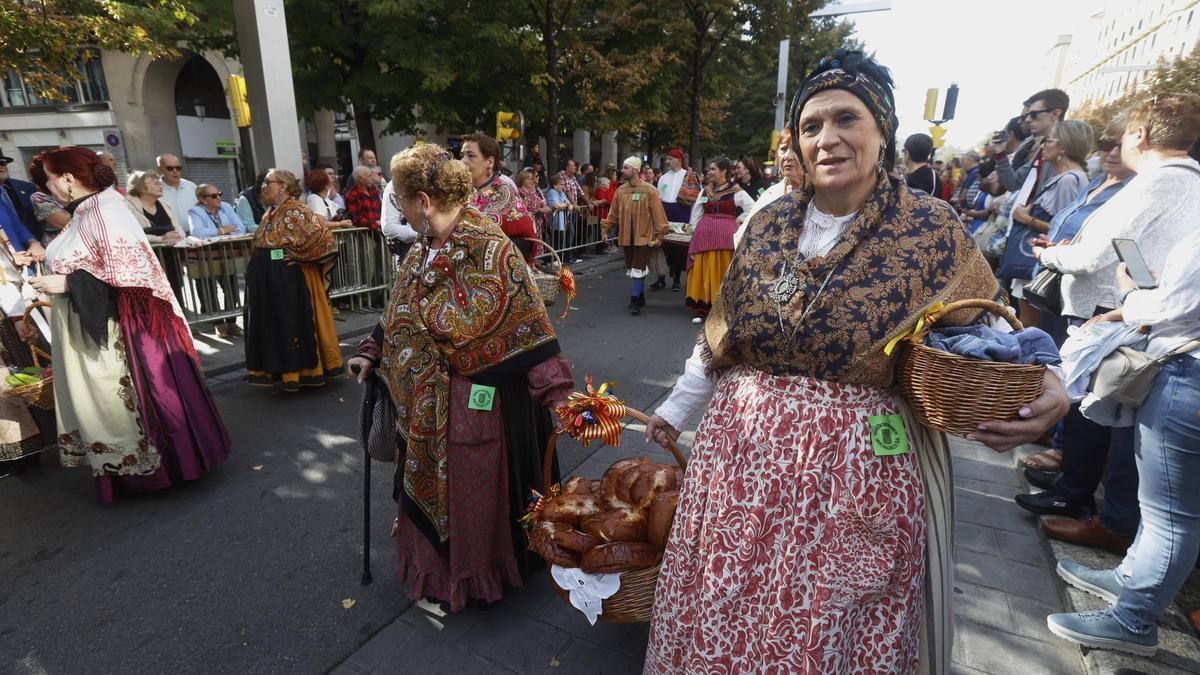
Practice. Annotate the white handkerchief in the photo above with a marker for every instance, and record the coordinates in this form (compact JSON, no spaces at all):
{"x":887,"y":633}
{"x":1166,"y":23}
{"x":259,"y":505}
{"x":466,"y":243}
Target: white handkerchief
{"x":587,"y":591}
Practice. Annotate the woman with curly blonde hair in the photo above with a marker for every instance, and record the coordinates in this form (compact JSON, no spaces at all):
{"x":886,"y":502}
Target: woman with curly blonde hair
{"x":474,"y":369}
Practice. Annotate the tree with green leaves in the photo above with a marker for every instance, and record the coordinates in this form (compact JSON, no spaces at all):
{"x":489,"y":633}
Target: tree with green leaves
{"x":41,"y":39}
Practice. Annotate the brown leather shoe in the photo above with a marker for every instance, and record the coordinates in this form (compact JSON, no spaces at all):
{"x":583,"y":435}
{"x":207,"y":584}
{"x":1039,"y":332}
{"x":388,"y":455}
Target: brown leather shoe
{"x":1087,"y":531}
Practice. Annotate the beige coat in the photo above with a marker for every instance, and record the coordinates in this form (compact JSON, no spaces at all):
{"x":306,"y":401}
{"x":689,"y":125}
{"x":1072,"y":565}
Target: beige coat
{"x":639,"y":215}
{"x":135,"y":205}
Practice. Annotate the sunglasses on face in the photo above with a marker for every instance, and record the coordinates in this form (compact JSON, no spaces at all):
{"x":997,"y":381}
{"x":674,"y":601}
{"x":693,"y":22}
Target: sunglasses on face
{"x":1106,"y":145}
{"x":1051,"y":141}
{"x":1033,"y":114}
{"x":211,"y":195}
{"x":172,"y":168}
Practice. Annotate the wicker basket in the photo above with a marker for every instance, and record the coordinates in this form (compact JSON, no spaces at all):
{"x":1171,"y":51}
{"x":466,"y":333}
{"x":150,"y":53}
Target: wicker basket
{"x":634,"y":601}
{"x":40,"y":393}
{"x":956,"y":393}
{"x":548,"y":284}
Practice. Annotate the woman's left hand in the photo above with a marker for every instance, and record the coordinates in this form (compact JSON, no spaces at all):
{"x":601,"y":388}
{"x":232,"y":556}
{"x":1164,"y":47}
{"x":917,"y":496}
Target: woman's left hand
{"x":1035,"y":418}
{"x":35,"y":249}
{"x":23,"y":258}
{"x":1020,"y":215}
{"x":53,"y":284}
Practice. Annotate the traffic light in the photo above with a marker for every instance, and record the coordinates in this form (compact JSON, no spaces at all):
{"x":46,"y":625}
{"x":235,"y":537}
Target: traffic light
{"x":939,"y":135}
{"x":951,"y":103}
{"x":931,"y":97}
{"x":506,"y":126}
{"x":235,"y":87}
{"x":771,"y":152}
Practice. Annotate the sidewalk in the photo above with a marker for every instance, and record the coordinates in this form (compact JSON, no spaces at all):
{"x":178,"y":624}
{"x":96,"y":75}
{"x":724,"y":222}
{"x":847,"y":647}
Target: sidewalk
{"x":1004,"y":589}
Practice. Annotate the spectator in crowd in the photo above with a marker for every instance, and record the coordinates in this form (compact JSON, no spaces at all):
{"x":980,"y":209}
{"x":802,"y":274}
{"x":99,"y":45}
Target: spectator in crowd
{"x":647,"y":174}
{"x":320,"y":189}
{"x":364,"y":201}
{"x":1113,"y":528}
{"x":979,"y":209}
{"x":467,"y":471}
{"x":714,"y":222}
{"x":397,"y":231}
{"x":603,"y":196}
{"x":144,"y":192}
{"x":51,"y":217}
{"x":1155,"y":209}
{"x":335,"y":195}
{"x":1164,"y":552}
{"x":495,"y":197}
{"x":290,"y":340}
{"x":968,"y":188}
{"x":249,"y":206}
{"x":534,"y":157}
{"x":946,"y":182}
{"x":560,"y":206}
{"x":793,"y":179}
{"x":539,"y":170}
{"x":212,"y":217}
{"x":178,"y":192}
{"x":1043,"y":111}
{"x":921,"y":176}
{"x":576,"y":217}
{"x":118,"y":328}
{"x":107,"y":159}
{"x":585,"y":171}
{"x":367,"y":158}
{"x":535,"y":203}
{"x":17,"y":217}
{"x":750,"y":177}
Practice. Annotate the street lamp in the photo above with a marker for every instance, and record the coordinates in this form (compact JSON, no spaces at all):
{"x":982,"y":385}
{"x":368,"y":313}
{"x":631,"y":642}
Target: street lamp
{"x":201,"y":109}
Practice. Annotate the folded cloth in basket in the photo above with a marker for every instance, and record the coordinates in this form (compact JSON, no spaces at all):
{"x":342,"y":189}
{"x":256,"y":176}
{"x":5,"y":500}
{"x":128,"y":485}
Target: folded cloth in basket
{"x":1030,"y":346}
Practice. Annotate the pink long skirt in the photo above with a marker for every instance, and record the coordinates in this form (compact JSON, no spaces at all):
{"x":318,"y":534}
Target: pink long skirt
{"x":795,"y":549}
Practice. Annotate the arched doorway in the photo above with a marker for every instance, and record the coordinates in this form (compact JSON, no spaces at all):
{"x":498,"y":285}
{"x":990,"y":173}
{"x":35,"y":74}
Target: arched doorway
{"x":207,"y":137}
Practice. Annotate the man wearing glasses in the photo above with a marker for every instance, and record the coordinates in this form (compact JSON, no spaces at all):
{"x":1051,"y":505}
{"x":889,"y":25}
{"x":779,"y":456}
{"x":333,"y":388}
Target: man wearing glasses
{"x":178,"y":192}
{"x":1045,"y":109}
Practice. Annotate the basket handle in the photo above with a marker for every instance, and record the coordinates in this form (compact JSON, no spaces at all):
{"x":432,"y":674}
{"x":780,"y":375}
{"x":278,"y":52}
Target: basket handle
{"x":979,"y":303}
{"x":548,"y":247}
{"x":552,"y":445}
{"x":26,"y":329}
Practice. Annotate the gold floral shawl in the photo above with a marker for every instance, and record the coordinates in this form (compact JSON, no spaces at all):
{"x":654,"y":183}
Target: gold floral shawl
{"x":902,"y":253}
{"x":293,"y":227}
{"x":474,"y":309}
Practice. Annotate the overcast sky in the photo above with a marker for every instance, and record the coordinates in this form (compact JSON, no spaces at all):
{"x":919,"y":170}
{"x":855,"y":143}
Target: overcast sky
{"x":993,"y":49}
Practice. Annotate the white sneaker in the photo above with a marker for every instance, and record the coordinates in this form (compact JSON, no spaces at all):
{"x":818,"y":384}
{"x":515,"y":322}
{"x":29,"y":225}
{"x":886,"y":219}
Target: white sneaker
{"x":698,"y":319}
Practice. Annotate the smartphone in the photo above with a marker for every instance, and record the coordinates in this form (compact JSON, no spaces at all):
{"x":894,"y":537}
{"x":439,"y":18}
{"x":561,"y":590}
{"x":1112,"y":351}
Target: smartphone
{"x":1000,"y":136}
{"x":1129,"y":254}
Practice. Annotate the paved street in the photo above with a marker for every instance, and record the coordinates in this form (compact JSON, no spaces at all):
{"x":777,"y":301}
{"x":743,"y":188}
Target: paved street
{"x":250,"y":570}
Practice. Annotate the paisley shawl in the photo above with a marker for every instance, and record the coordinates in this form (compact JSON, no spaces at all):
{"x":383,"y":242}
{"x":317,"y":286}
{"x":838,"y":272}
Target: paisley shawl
{"x":293,"y":227}
{"x":903,"y":252}
{"x":500,"y":202}
{"x":474,"y":309}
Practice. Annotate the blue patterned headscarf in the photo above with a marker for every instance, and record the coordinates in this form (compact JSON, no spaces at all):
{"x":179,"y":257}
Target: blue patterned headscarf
{"x":859,"y":74}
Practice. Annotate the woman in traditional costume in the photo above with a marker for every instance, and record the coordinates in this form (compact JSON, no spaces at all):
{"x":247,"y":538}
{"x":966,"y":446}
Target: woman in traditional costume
{"x":495,"y":196}
{"x":714,"y":222}
{"x":474,"y":369}
{"x":25,"y":430}
{"x":129,"y":393}
{"x":290,"y":340}
{"x":797,"y":547}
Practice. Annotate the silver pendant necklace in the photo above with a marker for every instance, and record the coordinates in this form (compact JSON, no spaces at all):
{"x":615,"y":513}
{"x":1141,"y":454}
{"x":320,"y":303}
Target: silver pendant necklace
{"x":788,"y":284}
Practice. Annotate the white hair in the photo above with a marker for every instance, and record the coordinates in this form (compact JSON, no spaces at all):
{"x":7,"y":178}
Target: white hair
{"x":360,"y":171}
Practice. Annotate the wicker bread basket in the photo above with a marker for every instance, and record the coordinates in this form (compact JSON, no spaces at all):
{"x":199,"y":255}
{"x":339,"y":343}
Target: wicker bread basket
{"x":634,"y":601}
{"x":40,"y":393}
{"x":956,"y":393}
{"x":548,"y":284}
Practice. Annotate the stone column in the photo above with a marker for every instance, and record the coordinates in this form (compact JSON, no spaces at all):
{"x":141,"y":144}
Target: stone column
{"x":262,"y":37}
{"x":608,"y":150}
{"x":581,"y":146}
{"x":326,"y":138}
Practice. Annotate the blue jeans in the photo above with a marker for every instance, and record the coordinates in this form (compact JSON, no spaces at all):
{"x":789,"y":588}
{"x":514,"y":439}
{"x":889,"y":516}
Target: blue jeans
{"x":1168,"y":461}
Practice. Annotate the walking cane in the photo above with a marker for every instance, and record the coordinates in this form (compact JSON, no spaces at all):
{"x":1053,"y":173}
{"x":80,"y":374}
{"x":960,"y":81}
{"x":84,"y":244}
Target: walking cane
{"x":366,"y":568}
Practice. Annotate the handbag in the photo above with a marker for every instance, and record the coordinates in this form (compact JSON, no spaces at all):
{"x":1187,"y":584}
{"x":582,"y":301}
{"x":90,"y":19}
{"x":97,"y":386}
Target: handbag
{"x":1126,"y":375}
{"x":1045,"y":292}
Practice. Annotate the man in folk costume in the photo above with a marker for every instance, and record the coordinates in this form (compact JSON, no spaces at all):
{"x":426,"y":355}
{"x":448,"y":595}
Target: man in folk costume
{"x":638,"y":213}
{"x":678,"y":189}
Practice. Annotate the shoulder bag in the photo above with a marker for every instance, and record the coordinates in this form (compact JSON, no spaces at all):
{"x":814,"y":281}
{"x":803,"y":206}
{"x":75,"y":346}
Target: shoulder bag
{"x":1126,"y":375}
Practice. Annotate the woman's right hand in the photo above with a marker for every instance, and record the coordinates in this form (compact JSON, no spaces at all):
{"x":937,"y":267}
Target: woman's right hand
{"x":660,"y":431}
{"x":359,"y":367}
{"x":23,"y":258}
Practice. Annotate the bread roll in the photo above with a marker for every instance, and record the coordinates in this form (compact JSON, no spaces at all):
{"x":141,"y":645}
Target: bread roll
{"x":617,"y":525}
{"x":651,"y":483}
{"x":615,"y":475}
{"x":575,"y":540}
{"x":571,"y":508}
{"x":542,"y":542}
{"x":662,"y":514}
{"x":620,"y":556}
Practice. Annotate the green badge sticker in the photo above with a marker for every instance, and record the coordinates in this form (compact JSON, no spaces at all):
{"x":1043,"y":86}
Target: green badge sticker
{"x":276,"y":254}
{"x":482,"y":397}
{"x":761,"y":190}
{"x":636,"y":197}
{"x":887,"y":435}
{"x":704,"y":199}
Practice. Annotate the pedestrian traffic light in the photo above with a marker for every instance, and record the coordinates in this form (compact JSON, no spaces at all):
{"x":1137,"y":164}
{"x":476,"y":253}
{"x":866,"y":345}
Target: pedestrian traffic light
{"x":939,"y":135}
{"x":506,"y":126}
{"x":235,"y":86}
{"x":931,"y":96}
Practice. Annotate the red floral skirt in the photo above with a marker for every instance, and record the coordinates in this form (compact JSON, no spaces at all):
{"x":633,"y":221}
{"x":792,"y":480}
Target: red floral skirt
{"x":795,"y":549}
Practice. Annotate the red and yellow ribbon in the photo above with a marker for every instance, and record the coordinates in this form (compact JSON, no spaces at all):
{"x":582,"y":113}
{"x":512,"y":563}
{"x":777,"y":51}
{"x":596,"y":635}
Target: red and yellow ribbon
{"x":566,"y":279}
{"x":537,"y":504}
{"x":928,"y":316}
{"x":593,"y":416}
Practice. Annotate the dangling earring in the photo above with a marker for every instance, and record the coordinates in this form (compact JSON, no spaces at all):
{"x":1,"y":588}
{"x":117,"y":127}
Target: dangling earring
{"x":424,"y":226}
{"x":70,"y":193}
{"x":879,"y":164}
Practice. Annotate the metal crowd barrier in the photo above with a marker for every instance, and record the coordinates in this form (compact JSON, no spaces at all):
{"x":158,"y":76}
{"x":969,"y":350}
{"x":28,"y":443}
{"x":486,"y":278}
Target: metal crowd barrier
{"x":209,"y":280}
{"x":582,"y":235}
